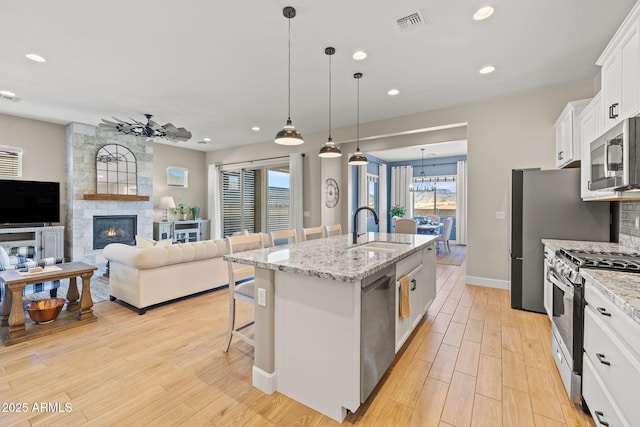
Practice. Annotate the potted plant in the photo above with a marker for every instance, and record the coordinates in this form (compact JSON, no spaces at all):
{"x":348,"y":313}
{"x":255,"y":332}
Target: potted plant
{"x":183,"y":210}
{"x":398,"y":211}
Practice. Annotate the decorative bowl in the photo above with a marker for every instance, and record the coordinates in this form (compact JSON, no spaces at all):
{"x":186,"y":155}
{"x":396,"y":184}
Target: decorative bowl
{"x":46,"y":310}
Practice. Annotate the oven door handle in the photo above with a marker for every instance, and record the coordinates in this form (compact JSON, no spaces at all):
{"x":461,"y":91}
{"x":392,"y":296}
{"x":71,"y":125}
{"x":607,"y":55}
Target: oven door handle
{"x":557,"y":282}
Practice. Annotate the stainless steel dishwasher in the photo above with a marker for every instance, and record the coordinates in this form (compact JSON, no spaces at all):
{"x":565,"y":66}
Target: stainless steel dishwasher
{"x":377,"y":328}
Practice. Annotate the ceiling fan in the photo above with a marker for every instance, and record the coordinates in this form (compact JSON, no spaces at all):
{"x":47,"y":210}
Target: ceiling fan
{"x":149,"y":130}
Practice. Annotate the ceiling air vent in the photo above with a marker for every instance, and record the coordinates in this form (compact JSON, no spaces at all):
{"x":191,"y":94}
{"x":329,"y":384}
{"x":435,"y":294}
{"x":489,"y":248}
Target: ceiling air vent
{"x":410,"y":22}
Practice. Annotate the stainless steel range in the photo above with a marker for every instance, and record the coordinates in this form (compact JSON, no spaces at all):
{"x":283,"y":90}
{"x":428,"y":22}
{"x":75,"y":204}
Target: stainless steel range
{"x":568,"y":306}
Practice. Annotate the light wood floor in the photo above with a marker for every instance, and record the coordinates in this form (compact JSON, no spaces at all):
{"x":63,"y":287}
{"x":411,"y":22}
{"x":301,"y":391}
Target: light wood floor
{"x":472,"y":361}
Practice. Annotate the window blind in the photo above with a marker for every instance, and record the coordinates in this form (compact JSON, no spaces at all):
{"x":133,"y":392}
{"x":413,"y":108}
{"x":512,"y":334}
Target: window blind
{"x":10,"y":161}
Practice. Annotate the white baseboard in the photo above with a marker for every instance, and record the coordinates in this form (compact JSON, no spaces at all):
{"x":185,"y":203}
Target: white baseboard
{"x":264,"y":381}
{"x":489,"y":283}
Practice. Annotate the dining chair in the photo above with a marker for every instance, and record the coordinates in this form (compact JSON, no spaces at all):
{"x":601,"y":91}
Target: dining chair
{"x":312,"y":233}
{"x":332,"y":230}
{"x":277,"y":237}
{"x":446,"y":234}
{"x":406,"y":226}
{"x":241,"y":283}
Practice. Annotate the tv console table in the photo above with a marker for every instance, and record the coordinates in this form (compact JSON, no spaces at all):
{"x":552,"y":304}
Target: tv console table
{"x":48,"y":241}
{"x":14,"y":327}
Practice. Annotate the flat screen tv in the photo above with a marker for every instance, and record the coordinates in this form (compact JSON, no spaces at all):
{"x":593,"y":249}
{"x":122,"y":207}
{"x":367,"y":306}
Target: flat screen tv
{"x":29,"y":202}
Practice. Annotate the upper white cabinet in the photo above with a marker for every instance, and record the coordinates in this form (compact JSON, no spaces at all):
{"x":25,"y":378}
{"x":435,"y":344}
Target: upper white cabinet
{"x":620,"y":63}
{"x":568,"y":148}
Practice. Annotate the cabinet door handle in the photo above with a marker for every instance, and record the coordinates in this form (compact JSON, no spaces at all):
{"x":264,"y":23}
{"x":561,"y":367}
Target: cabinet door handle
{"x":599,"y":416}
{"x":602,"y":360}
{"x":604,"y":311}
{"x":611,"y":111}
{"x":429,"y":248}
{"x":614,"y":109}
{"x":589,"y":185}
{"x":561,"y":155}
{"x":413,"y":284}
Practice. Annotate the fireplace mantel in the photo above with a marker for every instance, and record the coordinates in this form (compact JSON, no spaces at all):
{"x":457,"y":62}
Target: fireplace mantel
{"x":116,"y":197}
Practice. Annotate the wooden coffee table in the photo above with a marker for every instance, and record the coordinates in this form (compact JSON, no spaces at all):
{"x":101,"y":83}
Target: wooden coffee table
{"x":14,"y":327}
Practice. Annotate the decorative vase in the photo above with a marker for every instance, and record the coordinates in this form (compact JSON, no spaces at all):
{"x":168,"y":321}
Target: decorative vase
{"x":196,"y":212}
{"x":183,"y":216}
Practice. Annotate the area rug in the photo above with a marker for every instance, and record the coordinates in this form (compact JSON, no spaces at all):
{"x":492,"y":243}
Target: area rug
{"x":99,"y":289}
{"x":456,"y":257}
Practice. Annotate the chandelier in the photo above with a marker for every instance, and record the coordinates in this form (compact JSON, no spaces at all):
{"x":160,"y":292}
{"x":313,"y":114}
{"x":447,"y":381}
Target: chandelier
{"x":422,"y":183}
{"x":150,"y":129}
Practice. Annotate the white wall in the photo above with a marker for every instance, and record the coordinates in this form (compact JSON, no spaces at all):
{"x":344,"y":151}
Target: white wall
{"x":503,"y":134}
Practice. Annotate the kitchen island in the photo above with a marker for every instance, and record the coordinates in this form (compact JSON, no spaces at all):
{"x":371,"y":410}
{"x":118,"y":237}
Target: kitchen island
{"x":311,"y":342}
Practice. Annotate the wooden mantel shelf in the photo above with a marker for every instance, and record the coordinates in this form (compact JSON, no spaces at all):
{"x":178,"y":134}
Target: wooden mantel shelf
{"x":116,"y":197}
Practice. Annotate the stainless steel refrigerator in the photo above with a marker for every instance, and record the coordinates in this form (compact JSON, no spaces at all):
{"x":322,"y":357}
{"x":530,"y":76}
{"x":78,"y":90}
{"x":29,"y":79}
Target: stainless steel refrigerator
{"x":546,"y":204}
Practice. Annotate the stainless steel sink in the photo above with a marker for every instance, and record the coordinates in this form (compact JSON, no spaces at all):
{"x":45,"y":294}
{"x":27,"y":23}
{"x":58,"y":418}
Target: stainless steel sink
{"x":380,"y":247}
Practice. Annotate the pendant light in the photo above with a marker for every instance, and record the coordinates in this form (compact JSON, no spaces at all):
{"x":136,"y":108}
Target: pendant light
{"x":329,"y":149}
{"x":422,"y":184}
{"x":289,"y":135}
{"x":358,"y":158}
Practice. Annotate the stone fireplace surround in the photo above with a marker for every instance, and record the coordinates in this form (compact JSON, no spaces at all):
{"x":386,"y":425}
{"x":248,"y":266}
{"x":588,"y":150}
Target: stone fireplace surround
{"x":82,"y":144}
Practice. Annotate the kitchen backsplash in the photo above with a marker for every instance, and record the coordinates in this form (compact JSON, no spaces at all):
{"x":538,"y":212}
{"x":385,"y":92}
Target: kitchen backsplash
{"x":630,"y":224}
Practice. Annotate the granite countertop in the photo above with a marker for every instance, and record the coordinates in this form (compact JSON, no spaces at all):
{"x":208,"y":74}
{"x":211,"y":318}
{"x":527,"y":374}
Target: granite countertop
{"x":584,"y":245}
{"x":334,"y":258}
{"x":623,"y":289}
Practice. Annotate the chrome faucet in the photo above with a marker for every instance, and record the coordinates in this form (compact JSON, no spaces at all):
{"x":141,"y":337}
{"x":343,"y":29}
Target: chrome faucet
{"x":355,"y":221}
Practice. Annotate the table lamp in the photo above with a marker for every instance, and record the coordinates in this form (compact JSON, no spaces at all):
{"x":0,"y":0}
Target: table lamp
{"x":166,"y":203}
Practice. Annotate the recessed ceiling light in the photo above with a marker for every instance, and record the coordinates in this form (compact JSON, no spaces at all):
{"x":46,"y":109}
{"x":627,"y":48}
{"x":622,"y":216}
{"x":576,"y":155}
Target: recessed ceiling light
{"x":255,"y":128}
{"x":35,"y":57}
{"x":488,"y":69}
{"x":393,"y":92}
{"x":359,"y":55}
{"x":7,"y":94}
{"x":206,"y":139}
{"x":483,"y":13}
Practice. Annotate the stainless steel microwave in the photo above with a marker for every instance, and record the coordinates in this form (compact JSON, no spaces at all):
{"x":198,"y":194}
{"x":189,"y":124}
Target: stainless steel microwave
{"x":615,"y":158}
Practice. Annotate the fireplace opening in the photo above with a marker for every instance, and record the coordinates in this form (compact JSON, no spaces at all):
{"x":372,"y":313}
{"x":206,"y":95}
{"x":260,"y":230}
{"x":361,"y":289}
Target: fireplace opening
{"x":114,"y":229}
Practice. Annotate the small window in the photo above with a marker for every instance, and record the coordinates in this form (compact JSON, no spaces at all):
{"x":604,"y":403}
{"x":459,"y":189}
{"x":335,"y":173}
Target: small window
{"x":10,"y":161}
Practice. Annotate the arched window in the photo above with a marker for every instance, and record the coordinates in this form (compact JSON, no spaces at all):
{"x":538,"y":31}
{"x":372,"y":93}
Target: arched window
{"x":116,"y":170}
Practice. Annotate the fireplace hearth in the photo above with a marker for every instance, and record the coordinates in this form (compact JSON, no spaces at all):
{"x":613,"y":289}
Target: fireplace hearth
{"x":114,"y":229}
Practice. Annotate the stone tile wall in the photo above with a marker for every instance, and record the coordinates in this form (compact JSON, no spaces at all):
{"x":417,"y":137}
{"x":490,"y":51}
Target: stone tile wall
{"x":630,"y":224}
{"x":82,"y":144}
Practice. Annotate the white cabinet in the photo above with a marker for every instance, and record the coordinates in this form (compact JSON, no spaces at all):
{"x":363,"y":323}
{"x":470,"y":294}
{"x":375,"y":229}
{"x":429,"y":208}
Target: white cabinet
{"x":51,"y":242}
{"x":48,"y":241}
{"x":428,"y":276}
{"x":182,"y":231}
{"x":611,"y":360}
{"x":568,"y":147}
{"x":620,"y":63}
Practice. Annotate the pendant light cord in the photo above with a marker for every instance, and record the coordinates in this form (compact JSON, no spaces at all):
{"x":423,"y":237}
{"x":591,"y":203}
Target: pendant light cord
{"x":358,"y":118}
{"x":289,"y":80}
{"x":330,"y":96}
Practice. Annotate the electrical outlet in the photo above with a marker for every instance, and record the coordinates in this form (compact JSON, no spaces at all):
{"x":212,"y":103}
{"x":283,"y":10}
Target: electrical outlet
{"x":262,"y":297}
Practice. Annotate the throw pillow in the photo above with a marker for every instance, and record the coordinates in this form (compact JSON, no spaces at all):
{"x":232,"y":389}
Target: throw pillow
{"x":165,"y":242}
{"x":143,"y":242}
{"x":4,"y":257}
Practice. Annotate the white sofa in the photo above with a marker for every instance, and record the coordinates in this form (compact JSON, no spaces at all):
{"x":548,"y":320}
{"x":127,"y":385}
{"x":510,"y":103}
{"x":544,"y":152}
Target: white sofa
{"x":143,"y":277}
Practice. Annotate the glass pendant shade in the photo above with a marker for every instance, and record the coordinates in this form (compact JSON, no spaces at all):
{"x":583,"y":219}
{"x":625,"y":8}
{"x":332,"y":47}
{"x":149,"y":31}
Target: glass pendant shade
{"x":289,"y":135}
{"x":329,"y":149}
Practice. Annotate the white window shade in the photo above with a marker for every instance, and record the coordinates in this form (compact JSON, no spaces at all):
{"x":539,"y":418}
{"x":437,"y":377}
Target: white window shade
{"x":10,"y":161}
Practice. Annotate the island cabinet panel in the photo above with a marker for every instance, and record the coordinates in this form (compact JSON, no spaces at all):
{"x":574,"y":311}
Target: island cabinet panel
{"x":317,"y":342}
{"x":411,"y":267}
{"x":428,"y":276}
